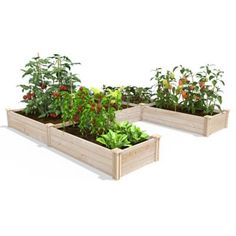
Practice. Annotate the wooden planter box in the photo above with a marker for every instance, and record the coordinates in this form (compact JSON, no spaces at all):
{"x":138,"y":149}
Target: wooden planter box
{"x":201,"y":125}
{"x":115,"y":163}
{"x":135,"y":104}
{"x":28,"y":126}
{"x":131,"y":114}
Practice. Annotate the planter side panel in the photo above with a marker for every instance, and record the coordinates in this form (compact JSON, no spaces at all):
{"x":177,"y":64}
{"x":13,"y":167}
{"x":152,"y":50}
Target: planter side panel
{"x":131,"y":114}
{"x":217,"y":122}
{"x":173,"y":119}
{"x":137,"y":156}
{"x":28,"y":126}
{"x":82,"y":150}
{"x":135,"y":104}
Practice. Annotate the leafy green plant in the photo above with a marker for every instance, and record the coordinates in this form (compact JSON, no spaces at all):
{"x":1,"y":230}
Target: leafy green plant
{"x":47,"y":79}
{"x":133,"y":94}
{"x":114,"y":140}
{"x":135,"y":134}
{"x":121,"y":135}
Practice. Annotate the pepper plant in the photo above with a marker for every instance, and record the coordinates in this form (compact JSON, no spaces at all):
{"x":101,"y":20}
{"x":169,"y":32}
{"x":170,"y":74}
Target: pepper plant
{"x":182,"y":90}
{"x":91,"y":109}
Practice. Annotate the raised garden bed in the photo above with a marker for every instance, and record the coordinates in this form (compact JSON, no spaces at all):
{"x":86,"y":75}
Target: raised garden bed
{"x":116,"y":162}
{"x":136,"y":104}
{"x":132,"y":114}
{"x":33,"y":128}
{"x":28,"y":126}
{"x":204,"y":125}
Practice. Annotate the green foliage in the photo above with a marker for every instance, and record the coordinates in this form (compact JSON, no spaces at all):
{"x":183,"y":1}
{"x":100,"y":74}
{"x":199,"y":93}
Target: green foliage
{"x":134,"y":133}
{"x":47,"y":78}
{"x":114,"y":140}
{"x":133,"y":94}
{"x":192,"y":93}
{"x":122,"y":135}
{"x":166,"y":93}
{"x":92,"y":110}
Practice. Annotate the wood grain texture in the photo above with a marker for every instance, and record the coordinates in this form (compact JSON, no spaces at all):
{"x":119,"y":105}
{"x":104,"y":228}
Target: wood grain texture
{"x":196,"y":124}
{"x":115,"y":163}
{"x":30,"y":127}
{"x":82,"y":150}
{"x":138,"y":155}
{"x":131,"y":114}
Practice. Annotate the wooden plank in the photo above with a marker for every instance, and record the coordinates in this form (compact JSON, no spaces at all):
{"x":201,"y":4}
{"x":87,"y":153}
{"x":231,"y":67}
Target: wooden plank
{"x":136,"y":164}
{"x":135,"y":104}
{"x":174,"y":119}
{"x":144,"y":144}
{"x":81,"y":142}
{"x":216,"y":122}
{"x":146,"y":150}
{"x":23,"y":119}
{"x":82,"y":154}
{"x":103,"y":159}
{"x":36,"y":133}
{"x":173,"y":116}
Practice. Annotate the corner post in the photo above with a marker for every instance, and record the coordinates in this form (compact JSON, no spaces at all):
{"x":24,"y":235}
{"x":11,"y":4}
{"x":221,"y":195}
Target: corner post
{"x":207,"y":125}
{"x":226,"y":118}
{"x":49,"y":126}
{"x":157,"y":150}
{"x":116,"y":163}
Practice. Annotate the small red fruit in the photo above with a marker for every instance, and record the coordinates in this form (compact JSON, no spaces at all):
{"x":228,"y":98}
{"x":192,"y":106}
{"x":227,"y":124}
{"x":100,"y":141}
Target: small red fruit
{"x":191,"y":87}
{"x":184,"y":95}
{"x":29,"y":96}
{"x":180,"y":82}
{"x":80,"y":108}
{"x":43,"y":85}
{"x":202,"y":84}
{"x":76,"y":118}
{"x":92,"y":107}
{"x":25,"y":97}
{"x":56,"y":94}
{"x":53,"y":115}
{"x":63,"y":88}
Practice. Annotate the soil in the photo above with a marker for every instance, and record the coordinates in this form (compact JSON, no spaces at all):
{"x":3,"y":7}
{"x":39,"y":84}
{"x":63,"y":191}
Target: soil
{"x":179,"y":109}
{"x":47,"y":120}
{"x":41,"y":120}
{"x":74,"y":130}
{"x":125,"y":106}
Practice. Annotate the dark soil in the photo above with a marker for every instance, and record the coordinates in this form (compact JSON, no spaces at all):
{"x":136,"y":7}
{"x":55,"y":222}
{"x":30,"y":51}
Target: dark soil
{"x":179,"y":109}
{"x":124,"y":106}
{"x":137,"y":101}
{"x":42,"y":120}
{"x":74,"y":130}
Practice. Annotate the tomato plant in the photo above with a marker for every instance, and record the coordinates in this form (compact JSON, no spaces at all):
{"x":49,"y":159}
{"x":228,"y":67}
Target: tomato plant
{"x":47,"y":78}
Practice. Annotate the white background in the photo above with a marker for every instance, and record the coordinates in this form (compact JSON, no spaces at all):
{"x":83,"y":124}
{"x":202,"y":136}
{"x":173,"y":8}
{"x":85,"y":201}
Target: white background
{"x":190,"y":191}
